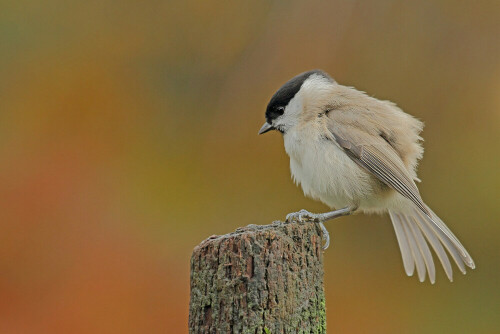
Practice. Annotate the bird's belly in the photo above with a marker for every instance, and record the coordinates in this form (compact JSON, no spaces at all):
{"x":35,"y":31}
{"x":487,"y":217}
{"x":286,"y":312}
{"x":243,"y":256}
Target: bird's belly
{"x":327,"y":174}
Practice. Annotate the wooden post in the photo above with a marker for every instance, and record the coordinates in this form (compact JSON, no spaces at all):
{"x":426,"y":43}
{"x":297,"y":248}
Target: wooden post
{"x":259,"y":279}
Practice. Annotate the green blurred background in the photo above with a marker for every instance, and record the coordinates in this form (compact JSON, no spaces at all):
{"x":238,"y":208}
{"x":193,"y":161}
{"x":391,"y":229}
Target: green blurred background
{"x":128,"y":134}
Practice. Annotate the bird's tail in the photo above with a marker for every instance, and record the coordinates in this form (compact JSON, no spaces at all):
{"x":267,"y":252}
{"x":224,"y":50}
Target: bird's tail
{"x":415,"y":230}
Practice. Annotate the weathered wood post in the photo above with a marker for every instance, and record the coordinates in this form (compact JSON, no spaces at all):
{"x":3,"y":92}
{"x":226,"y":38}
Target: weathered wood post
{"x":259,"y":279}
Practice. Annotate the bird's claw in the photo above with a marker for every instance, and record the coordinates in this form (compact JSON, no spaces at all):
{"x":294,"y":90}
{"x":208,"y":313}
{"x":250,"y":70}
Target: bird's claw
{"x":302,"y":216}
{"x":325,"y":236}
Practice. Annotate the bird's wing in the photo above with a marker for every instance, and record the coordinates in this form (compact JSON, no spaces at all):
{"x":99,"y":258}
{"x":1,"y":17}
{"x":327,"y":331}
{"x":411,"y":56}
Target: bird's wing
{"x":377,"y":156}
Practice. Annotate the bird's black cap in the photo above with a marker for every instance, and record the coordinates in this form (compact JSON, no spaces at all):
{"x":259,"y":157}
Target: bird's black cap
{"x":282,"y":97}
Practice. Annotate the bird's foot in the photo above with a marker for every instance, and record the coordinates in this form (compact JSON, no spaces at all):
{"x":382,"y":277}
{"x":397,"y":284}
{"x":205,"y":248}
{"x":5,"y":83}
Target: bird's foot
{"x":304,"y":216}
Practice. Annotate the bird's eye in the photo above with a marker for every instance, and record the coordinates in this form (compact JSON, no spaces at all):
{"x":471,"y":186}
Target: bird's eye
{"x":280,"y":110}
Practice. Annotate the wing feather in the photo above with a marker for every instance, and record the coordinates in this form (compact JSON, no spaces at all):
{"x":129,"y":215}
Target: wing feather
{"x":376,"y":155}
{"x":380,"y":159}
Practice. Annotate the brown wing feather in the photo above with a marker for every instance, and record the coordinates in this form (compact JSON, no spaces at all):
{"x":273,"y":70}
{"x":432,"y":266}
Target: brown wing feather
{"x":380,"y":159}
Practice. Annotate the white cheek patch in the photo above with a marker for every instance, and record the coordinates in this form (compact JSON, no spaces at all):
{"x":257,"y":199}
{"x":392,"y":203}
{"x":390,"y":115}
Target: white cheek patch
{"x":295,"y":105}
{"x":292,"y":112}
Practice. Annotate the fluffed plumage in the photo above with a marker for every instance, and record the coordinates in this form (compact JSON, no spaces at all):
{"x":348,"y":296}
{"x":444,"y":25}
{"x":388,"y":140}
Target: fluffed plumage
{"x":348,"y":149}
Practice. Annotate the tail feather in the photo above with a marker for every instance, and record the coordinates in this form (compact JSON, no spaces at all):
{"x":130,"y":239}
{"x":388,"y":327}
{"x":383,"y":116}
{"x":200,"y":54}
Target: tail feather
{"x":464,"y":254}
{"x":408,"y":261}
{"x":414,"y":230}
{"x":424,"y":249}
{"x":436,"y":245}
{"x":415,"y":249}
{"x":448,"y":244}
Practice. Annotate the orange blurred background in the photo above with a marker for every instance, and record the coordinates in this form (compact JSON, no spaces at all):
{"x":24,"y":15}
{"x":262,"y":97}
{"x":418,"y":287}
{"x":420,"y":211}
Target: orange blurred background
{"x":128,"y":134}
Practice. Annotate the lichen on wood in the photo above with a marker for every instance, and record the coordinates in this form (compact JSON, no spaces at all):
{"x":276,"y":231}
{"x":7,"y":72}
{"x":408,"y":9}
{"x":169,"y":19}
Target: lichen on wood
{"x":259,"y":279}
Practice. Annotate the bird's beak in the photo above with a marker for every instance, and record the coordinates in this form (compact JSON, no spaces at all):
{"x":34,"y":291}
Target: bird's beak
{"x":265,"y":128}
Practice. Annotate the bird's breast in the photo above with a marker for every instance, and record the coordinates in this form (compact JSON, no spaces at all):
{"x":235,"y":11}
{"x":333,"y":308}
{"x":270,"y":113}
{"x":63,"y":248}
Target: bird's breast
{"x":324,"y":170}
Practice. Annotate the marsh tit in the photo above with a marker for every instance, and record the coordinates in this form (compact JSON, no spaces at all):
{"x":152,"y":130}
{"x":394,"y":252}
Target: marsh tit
{"x":359,"y":154}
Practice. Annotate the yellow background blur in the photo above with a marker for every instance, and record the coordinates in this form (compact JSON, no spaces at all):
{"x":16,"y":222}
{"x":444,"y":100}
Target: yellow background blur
{"x":128,"y":134}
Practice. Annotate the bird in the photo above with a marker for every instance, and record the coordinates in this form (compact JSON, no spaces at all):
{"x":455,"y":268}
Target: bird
{"x":356,"y":153}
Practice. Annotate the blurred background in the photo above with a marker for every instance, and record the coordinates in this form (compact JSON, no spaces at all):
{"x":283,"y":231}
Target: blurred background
{"x":128,"y":134}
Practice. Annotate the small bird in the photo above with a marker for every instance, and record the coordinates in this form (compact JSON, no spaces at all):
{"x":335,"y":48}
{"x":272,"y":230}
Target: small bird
{"x":356,"y":153}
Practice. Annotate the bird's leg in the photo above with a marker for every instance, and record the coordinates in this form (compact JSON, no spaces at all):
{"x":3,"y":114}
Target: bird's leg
{"x":306,"y":216}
